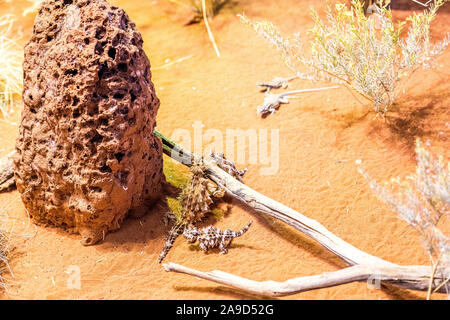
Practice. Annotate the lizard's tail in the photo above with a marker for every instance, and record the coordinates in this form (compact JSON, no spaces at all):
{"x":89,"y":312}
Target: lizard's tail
{"x":244,"y":229}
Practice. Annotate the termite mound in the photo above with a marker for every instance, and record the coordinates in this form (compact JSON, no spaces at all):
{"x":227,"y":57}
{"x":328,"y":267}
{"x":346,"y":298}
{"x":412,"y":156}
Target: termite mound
{"x":86,"y":153}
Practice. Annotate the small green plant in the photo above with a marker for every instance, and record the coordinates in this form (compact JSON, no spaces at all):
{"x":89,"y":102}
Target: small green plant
{"x":367,"y":54}
{"x":11,"y":57}
{"x":423,"y":201}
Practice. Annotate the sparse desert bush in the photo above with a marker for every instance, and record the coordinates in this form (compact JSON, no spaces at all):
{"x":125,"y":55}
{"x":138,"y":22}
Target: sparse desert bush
{"x":11,"y":56}
{"x":423,"y":201}
{"x":366,"y":54}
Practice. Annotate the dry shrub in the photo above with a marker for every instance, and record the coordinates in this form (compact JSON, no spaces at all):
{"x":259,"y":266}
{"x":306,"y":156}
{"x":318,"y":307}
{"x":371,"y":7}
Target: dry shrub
{"x":11,"y":56}
{"x":366,"y":54}
{"x":423,"y":201}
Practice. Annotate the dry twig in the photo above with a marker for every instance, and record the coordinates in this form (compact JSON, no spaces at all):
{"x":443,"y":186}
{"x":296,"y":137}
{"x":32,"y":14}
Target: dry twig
{"x":410,"y":277}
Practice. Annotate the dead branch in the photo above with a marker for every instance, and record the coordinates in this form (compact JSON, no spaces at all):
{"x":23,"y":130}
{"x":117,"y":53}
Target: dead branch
{"x":409,"y":277}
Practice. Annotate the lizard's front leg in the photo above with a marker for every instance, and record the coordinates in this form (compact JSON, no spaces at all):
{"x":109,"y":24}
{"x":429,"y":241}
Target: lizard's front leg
{"x":203,"y":247}
{"x":215,"y":190}
{"x":223,"y":248}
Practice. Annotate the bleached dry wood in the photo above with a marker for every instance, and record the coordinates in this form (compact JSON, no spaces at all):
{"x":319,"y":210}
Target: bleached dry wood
{"x":410,"y":277}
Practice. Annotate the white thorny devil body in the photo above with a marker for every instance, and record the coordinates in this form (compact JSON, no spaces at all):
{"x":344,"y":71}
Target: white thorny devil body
{"x":212,"y":237}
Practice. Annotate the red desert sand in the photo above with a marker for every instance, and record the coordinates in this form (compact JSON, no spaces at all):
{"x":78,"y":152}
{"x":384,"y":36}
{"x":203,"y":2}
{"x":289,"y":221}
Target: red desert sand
{"x":321,"y":136}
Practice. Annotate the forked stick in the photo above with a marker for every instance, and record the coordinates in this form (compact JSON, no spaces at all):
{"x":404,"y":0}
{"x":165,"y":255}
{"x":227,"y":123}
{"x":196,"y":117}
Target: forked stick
{"x":409,"y":277}
{"x":210,"y":34}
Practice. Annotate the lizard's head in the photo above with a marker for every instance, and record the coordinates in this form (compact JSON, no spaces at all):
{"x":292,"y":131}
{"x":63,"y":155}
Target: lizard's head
{"x":190,"y":234}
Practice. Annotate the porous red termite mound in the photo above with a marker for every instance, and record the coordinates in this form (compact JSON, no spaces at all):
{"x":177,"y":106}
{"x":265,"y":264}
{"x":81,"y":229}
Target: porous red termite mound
{"x":86,"y":154}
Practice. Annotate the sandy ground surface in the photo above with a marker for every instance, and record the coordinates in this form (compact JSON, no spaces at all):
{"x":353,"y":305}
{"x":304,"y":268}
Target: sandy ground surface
{"x":321,"y":136}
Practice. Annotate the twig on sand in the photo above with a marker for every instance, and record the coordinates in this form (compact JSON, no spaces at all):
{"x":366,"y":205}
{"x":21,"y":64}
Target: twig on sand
{"x":311,"y":228}
{"x":410,"y":277}
{"x":210,"y":34}
{"x":433,"y":273}
{"x":273,"y":101}
{"x":171,"y":63}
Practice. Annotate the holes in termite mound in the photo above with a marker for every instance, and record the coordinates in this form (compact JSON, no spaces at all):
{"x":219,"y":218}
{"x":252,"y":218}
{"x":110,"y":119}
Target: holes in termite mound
{"x":122,"y":67}
{"x":133,"y":96}
{"x":96,"y":138}
{"x":67,"y":2}
{"x":105,"y":169}
{"x":117,"y":39}
{"x":124,"y":55}
{"x":122,"y":176}
{"x":119,"y":95}
{"x":95,"y":189}
{"x":124,"y":111}
{"x":75,"y":101}
{"x":137,"y":41}
{"x":123,"y":22}
{"x":112,"y":53}
{"x":78,"y":147}
{"x":104,"y":122}
{"x":104,"y":72}
{"x":100,"y":33}
{"x":119,"y":156}
{"x":72,"y":72}
{"x":100,"y":47}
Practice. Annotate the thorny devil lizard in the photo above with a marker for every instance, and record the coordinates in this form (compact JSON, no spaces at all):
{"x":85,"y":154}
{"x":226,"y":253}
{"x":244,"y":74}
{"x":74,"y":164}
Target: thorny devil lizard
{"x":212,"y":237}
{"x":186,"y":226}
